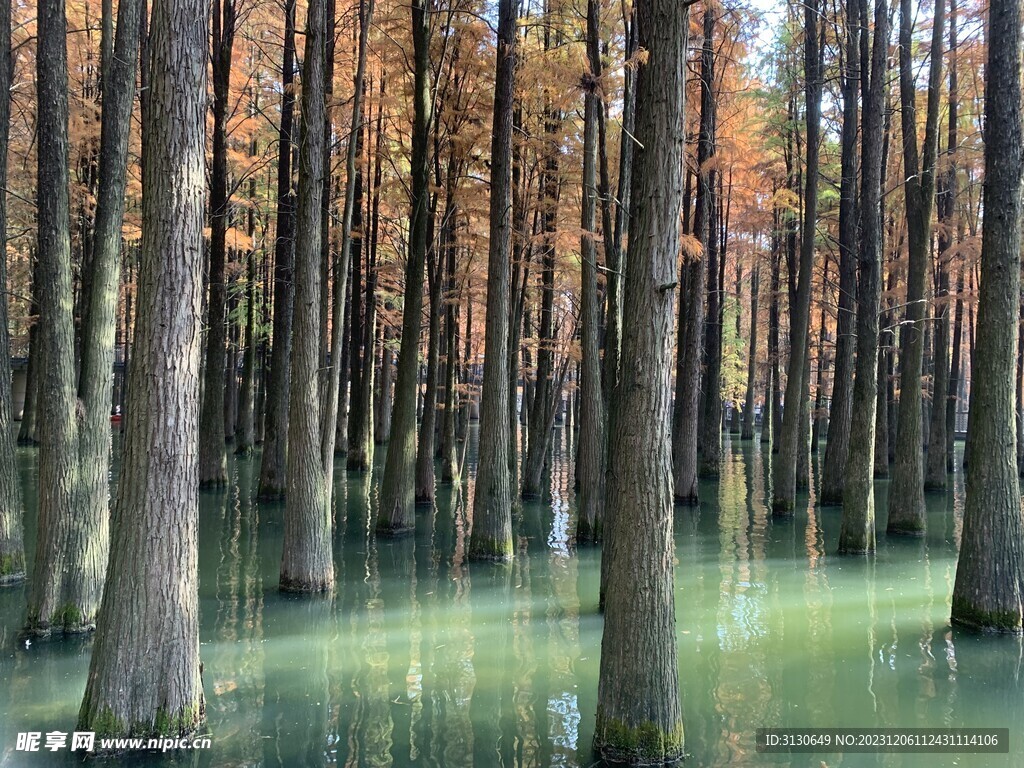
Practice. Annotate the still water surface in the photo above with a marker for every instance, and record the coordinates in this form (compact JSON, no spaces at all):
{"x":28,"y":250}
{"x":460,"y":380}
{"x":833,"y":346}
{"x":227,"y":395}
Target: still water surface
{"x":422,"y":659}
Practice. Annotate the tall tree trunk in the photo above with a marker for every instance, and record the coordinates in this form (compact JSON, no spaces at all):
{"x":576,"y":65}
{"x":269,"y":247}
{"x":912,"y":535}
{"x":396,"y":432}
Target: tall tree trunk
{"x":350,"y":240}
{"x":307,"y":564}
{"x":145,"y":676}
{"x":27,"y":434}
{"x":615,"y":255}
{"x":906,"y":497}
{"x":398,"y":489}
{"x":12,"y":546}
{"x":784,"y":469}
{"x":935,"y":471}
{"x":361,"y":424}
{"x":70,"y":549}
{"x":382,"y":419}
{"x":99,"y":325}
{"x":245,"y":431}
{"x":989,"y":589}
{"x":692,"y":291}
{"x":639,"y":718}
{"x":953,"y":389}
{"x":591,"y":451}
{"x":857,"y":531}
{"x":213,"y":459}
{"x":491,"y":535}
{"x":833,"y":473}
{"x":748,"y":400}
{"x":275,"y":440}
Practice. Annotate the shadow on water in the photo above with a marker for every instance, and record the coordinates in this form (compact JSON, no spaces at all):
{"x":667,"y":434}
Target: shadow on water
{"x":423,"y":659}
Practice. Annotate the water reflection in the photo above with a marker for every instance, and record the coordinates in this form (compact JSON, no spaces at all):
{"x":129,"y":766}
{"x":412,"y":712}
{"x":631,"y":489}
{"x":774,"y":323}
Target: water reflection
{"x":422,"y":659}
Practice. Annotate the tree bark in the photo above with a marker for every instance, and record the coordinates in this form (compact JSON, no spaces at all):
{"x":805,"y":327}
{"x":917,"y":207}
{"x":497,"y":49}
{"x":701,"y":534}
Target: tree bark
{"x":307,"y":564}
{"x":748,"y":400}
{"x":833,"y":474}
{"x":491,"y":534}
{"x":784,"y":469}
{"x":71,"y":549}
{"x":397,"y":513}
{"x":692,"y":292}
{"x":906,"y":496}
{"x":12,"y":544}
{"x":591,"y":450}
{"x":989,"y":589}
{"x":857,"y":528}
{"x":145,"y":676}
{"x":639,"y":718}
{"x":275,"y":439}
{"x":213,"y":458}
{"x":936,"y":468}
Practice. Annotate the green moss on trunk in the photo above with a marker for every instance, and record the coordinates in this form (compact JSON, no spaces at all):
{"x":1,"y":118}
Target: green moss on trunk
{"x":975,"y":617}
{"x":12,"y":568}
{"x":643,"y":744}
{"x":183,"y":723}
{"x":498,"y":550}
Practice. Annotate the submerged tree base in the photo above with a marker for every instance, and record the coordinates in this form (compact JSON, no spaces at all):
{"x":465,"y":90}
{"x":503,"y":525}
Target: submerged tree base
{"x":105,"y":724}
{"x":492,"y":550}
{"x":67,"y":620}
{"x":12,"y":569}
{"x":299,"y":586}
{"x":975,"y":617}
{"x":644,"y":744}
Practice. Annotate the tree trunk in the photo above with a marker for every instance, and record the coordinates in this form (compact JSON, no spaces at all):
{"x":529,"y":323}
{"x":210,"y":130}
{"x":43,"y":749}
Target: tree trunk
{"x":245,"y":431}
{"x":857,"y":530}
{"x":71,"y":549}
{"x":12,"y":546}
{"x":639,"y":718}
{"x":382,"y":430}
{"x":833,"y":474}
{"x":692,"y":293}
{"x":275,"y":440}
{"x":145,"y":676}
{"x":491,"y":535}
{"x":748,"y":400}
{"x":989,"y":589}
{"x":784,"y":469}
{"x":213,"y":459}
{"x":307,"y":564}
{"x":398,"y":489}
{"x":936,"y":469}
{"x":591,"y":451}
{"x":906,"y":496}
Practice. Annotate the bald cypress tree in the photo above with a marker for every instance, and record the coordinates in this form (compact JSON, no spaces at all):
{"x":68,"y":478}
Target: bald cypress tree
{"x":491,"y":537}
{"x":144,"y":675}
{"x":12,"y":552}
{"x":989,"y":589}
{"x":639,"y":718}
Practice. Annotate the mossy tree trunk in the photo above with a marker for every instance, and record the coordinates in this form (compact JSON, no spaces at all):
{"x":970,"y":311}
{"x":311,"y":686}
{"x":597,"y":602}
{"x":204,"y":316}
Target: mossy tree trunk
{"x":989,"y":589}
{"x":491,"y":534}
{"x":857,"y":531}
{"x":639,"y":718}
{"x":145,"y":676}
{"x":307,"y":564}
{"x":70,"y":548}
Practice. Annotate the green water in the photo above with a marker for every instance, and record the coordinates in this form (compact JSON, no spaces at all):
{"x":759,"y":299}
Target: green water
{"x":422,"y":659}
